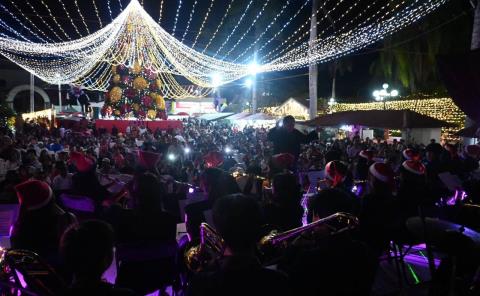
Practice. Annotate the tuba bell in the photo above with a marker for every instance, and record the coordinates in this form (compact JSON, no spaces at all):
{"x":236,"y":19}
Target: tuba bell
{"x":210,"y":249}
{"x":337,"y":223}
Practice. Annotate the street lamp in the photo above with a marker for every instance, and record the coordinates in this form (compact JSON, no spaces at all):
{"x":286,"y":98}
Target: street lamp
{"x":331,"y":102}
{"x":383,"y":94}
{"x":57,"y":75}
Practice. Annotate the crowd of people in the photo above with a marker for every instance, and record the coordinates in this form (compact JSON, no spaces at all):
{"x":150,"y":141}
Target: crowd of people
{"x":142,"y":183}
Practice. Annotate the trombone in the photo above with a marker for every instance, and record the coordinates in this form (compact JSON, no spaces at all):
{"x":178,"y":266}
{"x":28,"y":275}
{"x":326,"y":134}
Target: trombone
{"x":210,"y":249}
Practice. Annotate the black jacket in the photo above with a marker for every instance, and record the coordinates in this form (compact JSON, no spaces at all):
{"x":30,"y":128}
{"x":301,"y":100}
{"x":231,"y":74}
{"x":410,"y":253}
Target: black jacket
{"x":289,"y":142}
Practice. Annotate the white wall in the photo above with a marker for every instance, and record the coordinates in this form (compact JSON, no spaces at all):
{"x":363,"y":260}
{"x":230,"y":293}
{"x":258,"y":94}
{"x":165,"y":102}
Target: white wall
{"x":423,"y":135}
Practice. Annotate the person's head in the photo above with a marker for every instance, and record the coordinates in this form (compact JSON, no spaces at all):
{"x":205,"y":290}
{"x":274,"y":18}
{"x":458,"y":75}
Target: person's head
{"x":289,"y":123}
{"x":216,"y":183}
{"x":335,"y":172}
{"x":87,"y":249}
{"x":381,"y":178}
{"x":285,"y":188}
{"x":412,"y":174}
{"x":238,"y":219}
{"x":34,"y":195}
{"x":61,"y":168}
{"x":150,"y":193}
{"x":331,"y":201}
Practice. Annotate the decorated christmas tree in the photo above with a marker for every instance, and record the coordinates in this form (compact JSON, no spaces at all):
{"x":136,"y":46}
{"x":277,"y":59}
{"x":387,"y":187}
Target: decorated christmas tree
{"x":135,"y":92}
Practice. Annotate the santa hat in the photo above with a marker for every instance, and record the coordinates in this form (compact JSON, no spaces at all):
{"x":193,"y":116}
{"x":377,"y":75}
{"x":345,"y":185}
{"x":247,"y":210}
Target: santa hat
{"x":213,"y":159}
{"x":473,"y":151}
{"x":148,"y":159}
{"x":382,"y":172}
{"x":335,"y":171}
{"x":410,"y":154}
{"x":414,"y":167}
{"x":367,"y":154}
{"x":283,"y":160}
{"x":81,"y":162}
{"x":34,"y":194}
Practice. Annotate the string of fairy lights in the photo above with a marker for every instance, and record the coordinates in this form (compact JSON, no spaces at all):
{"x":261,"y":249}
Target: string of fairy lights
{"x":439,"y":108}
{"x":134,"y":37}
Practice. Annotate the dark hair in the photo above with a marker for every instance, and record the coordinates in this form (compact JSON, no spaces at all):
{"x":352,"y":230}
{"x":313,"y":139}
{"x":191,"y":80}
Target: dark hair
{"x":331,"y":201}
{"x":218,"y":183}
{"x":88,"y":248}
{"x":150,"y":193}
{"x":238,"y":219}
{"x":286,"y":188}
{"x":288,"y":118}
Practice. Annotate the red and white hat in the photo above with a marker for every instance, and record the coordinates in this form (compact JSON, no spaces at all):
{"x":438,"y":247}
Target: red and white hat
{"x":473,"y":150}
{"x":283,"y":160}
{"x":335,"y":171}
{"x":410,"y":154}
{"x":367,"y":154}
{"x":382,"y":172}
{"x":34,"y":194}
{"x":414,"y":167}
{"x":81,"y":162}
{"x":213,"y":159}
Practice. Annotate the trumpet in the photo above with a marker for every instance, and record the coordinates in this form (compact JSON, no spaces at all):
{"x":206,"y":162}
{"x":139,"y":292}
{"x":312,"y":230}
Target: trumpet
{"x":338,"y":222}
{"x":210,"y":249}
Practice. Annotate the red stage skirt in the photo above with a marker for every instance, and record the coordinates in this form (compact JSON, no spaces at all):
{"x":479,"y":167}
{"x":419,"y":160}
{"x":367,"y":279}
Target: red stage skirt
{"x":152,"y":125}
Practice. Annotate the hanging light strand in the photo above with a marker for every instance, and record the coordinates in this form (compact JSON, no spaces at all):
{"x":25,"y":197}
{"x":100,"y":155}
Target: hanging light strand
{"x":80,"y":14}
{"x":31,"y":22}
{"x":97,"y":13}
{"x":55,"y":20}
{"x":177,"y":14}
{"x":192,"y":12}
{"x":21,"y":23}
{"x":203,"y":23}
{"x":161,"y":12}
{"x":219,"y":25}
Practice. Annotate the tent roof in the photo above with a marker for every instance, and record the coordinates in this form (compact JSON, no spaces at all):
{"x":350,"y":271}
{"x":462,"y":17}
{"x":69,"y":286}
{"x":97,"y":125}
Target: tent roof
{"x":259,"y":116}
{"x":394,"y":119}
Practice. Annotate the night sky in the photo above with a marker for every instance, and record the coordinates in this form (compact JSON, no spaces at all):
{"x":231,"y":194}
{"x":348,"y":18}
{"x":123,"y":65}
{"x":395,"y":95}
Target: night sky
{"x":356,"y":84}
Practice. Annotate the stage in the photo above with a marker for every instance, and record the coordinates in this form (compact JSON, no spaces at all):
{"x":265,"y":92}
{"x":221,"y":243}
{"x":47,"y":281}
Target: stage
{"x":152,"y":125}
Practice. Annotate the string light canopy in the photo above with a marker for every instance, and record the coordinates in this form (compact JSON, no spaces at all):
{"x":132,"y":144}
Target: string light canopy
{"x":134,"y":38}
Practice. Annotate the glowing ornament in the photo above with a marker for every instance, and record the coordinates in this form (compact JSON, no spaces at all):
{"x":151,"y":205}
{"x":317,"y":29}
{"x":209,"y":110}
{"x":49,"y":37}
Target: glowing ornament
{"x":115,"y":94}
{"x":137,"y":68}
{"x":140,"y":83}
{"x":151,"y":114}
{"x":116,"y":79}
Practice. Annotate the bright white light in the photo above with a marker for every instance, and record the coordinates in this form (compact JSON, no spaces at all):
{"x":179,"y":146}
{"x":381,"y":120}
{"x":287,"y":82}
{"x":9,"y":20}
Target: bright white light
{"x":216,"y":79}
{"x":57,"y":75}
{"x":347,"y":128}
{"x":385,"y":85}
{"x":253,"y":68}
{"x":187,"y":150}
{"x":376,"y":93}
{"x":191,"y":190}
{"x":394,"y":93}
{"x":228,"y":150}
{"x":171,"y":156}
{"x":248,"y":83}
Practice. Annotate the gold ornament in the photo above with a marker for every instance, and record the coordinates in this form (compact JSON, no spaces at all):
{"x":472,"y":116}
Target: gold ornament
{"x":140,"y":83}
{"x":115,"y":94}
{"x":136,"y":107}
{"x":158,"y":82}
{"x":117,"y":112}
{"x":137,"y":68}
{"x":151,"y":114}
{"x":114,"y":69}
{"x":116,"y":79}
{"x":160,"y":101}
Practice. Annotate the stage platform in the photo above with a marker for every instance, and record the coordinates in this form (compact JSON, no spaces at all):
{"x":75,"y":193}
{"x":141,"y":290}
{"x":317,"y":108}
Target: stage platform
{"x":152,"y":125}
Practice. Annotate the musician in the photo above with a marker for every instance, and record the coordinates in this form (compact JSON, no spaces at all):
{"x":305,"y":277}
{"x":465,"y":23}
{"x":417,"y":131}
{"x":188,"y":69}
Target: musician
{"x":41,"y":221}
{"x":412,"y":190}
{"x":376,"y":215}
{"x":284,"y":211}
{"x":364,"y":161}
{"x":287,"y":139}
{"x":338,"y":176}
{"x":333,"y":264}
{"x":238,"y":220}
{"x":87,"y":250}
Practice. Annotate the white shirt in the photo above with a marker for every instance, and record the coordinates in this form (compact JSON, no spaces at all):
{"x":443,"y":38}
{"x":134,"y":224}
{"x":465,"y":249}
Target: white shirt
{"x":62,"y":183}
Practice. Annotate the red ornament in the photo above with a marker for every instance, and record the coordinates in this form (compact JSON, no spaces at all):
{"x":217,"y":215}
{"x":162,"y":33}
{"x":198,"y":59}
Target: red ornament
{"x":153,"y":86}
{"x":147,"y":101}
{"x":130,"y":93}
{"x":125,"y":109}
{"x":141,"y":114}
{"x":126,"y":79}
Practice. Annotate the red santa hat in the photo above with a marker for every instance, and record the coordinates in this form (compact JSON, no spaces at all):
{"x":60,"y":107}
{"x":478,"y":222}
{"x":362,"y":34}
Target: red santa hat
{"x":382,"y":172}
{"x":213,"y":159}
{"x":367,"y":154}
{"x":414,"y":167}
{"x":81,"y":162}
{"x":336,"y":171}
{"x":148,"y":159}
{"x":410,"y":154}
{"x":33,"y":194}
{"x":283,"y":160}
{"x":472,"y":151}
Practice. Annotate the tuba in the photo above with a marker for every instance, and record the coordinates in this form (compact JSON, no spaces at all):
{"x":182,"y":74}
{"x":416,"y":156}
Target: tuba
{"x":210,"y":249}
{"x":338,"y":222}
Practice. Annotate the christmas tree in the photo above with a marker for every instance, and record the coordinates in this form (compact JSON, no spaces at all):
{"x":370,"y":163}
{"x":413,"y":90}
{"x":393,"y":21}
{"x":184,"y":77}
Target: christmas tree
{"x":134,"y":92}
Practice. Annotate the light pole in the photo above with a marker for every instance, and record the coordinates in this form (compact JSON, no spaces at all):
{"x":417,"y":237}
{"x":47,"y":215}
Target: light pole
{"x":59,"y":91}
{"x":383,"y":94}
{"x":331,"y":102}
{"x":249,"y":84}
{"x":253,"y":69}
